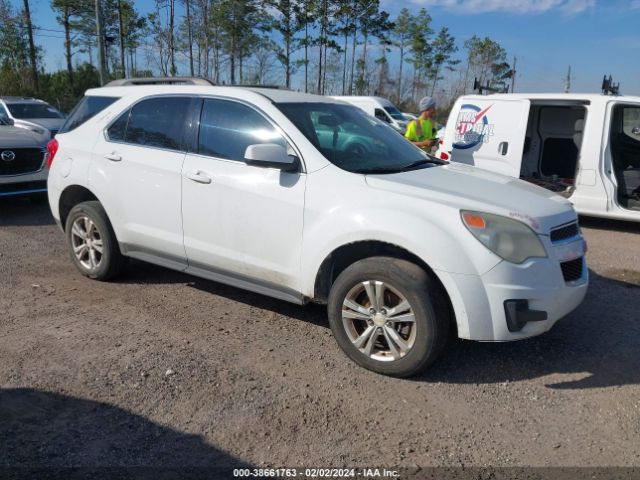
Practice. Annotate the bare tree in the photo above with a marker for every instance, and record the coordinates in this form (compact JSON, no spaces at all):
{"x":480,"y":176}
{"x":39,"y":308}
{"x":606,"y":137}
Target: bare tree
{"x":32,"y":46}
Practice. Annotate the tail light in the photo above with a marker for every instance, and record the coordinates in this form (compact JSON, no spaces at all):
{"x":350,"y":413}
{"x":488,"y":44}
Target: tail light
{"x":444,"y":155}
{"x":52,"y":149}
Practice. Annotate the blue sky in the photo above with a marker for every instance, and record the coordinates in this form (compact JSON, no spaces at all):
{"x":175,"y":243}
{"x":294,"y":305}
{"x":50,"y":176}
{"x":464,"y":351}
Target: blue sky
{"x":595,"y":37}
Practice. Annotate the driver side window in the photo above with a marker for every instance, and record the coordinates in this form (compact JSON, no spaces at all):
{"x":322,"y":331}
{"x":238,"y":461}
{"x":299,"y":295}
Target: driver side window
{"x":227,"y":128}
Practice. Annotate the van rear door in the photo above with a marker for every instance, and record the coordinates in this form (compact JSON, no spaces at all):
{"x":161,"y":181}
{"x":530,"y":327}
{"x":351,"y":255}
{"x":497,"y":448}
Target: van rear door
{"x":488,"y":133}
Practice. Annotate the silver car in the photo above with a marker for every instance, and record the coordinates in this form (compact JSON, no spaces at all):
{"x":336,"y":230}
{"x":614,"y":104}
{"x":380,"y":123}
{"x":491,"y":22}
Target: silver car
{"x":22,"y":160}
{"x":32,"y":114}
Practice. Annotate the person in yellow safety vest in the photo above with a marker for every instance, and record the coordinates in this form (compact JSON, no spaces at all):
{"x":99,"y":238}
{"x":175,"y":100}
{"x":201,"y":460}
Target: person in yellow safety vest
{"x":422,"y":131}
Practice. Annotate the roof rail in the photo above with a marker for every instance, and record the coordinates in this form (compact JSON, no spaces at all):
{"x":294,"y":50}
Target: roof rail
{"x":255,"y":85}
{"x":132,"y":82}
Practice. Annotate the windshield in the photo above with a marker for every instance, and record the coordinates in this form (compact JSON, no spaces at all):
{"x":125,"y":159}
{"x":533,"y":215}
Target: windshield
{"x":353,"y":140}
{"x":33,"y":110}
{"x":395,"y":113}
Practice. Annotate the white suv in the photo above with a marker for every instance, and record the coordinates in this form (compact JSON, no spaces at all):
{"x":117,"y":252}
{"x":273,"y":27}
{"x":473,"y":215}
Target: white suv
{"x":307,"y":199}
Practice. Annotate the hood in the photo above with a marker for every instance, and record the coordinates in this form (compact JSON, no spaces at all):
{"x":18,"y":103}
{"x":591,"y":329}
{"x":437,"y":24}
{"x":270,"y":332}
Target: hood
{"x":48,"y":123}
{"x":469,"y":188}
{"x":15,"y":137}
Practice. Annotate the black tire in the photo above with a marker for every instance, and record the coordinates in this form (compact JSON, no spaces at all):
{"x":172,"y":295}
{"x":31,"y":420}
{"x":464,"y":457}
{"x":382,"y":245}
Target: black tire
{"x":111,"y":261}
{"x":428,"y":304}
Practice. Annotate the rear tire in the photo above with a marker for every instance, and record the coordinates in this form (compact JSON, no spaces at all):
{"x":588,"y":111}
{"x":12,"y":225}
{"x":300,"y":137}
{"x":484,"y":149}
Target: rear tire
{"x":389,"y":316}
{"x":92,"y":243}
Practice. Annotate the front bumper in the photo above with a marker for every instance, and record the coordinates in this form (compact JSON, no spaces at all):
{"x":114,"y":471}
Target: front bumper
{"x":24,"y":184}
{"x":539,"y":283}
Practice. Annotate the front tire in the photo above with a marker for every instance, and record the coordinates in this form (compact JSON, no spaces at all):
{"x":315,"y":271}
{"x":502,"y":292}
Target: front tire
{"x":92,"y":243}
{"x":389,"y":316}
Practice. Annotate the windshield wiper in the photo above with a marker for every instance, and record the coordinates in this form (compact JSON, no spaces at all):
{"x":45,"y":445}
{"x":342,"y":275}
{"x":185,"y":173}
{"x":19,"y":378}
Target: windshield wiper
{"x":406,"y":168}
{"x":421,"y":162}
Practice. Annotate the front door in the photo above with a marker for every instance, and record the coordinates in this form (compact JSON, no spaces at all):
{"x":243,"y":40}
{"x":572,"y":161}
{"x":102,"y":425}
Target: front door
{"x":239,"y":220}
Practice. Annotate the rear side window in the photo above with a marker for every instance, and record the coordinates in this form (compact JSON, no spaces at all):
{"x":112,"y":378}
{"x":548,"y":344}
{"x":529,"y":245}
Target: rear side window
{"x":118,"y":129}
{"x":228,"y":128}
{"x":84,"y":110}
{"x":155,"y":122}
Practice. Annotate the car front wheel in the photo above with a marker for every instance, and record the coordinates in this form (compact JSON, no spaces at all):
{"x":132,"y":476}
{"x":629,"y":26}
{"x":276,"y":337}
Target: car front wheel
{"x":388,"y":315}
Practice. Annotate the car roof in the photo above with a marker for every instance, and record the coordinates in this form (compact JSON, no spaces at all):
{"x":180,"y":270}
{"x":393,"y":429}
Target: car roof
{"x":583,"y":97}
{"x":275,"y":95}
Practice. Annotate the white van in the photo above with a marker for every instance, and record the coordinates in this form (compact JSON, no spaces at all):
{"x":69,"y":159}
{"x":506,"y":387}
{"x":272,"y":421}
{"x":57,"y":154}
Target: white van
{"x":381,"y":108}
{"x":584,"y":147}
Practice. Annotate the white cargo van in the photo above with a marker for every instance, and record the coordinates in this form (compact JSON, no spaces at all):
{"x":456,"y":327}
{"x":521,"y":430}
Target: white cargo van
{"x":584,"y":147}
{"x":381,"y":108}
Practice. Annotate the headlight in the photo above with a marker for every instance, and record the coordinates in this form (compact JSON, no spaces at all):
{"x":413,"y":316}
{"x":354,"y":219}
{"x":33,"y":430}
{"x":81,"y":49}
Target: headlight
{"x":510,"y":239}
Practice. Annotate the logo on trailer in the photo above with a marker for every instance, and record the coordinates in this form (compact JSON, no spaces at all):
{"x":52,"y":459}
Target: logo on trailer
{"x":472,"y":127}
{"x":8,"y":156}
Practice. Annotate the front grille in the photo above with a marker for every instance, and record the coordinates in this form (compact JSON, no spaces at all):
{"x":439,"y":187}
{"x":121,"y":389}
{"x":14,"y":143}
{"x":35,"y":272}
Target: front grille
{"x":562,"y":233}
{"x":572,"y":270}
{"x":25,"y":160}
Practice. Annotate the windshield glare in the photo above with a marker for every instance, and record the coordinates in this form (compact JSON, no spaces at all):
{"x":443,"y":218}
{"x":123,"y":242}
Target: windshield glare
{"x":395,"y":113}
{"x":351,"y":139}
{"x":33,"y":110}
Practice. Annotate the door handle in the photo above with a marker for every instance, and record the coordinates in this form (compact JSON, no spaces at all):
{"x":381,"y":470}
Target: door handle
{"x":503,"y":148}
{"x":113,"y":156}
{"x":199,"y":177}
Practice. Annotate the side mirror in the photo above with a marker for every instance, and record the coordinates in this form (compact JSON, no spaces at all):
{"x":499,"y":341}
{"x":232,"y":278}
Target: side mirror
{"x":270,"y":155}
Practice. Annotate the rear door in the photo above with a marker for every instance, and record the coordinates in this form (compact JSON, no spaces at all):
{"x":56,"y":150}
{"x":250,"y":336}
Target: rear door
{"x":136,"y":172}
{"x":488,"y":133}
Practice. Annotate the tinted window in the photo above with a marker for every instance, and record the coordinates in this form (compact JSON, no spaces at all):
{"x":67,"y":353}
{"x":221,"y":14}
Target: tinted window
{"x":118,"y":128}
{"x":394,"y":112}
{"x":228,"y":128}
{"x":158,"y":122}
{"x":380,"y":115}
{"x":351,"y":139}
{"x":84,"y":110}
{"x":33,"y":110}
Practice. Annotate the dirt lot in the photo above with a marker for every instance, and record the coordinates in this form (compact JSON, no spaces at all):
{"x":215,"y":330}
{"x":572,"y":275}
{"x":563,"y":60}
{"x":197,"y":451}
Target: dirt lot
{"x":85,"y":380}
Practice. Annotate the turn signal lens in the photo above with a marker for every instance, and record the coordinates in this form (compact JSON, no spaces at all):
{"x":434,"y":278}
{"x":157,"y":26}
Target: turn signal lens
{"x":473,"y":221}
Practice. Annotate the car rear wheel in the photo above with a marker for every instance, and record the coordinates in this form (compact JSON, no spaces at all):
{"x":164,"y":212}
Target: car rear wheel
{"x":388,"y":315}
{"x":92,"y":243}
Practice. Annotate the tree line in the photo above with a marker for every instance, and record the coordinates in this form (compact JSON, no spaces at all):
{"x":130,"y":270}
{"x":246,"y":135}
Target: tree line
{"x":339,"y":47}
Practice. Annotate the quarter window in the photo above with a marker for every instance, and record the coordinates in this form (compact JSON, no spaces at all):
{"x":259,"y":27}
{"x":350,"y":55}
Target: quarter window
{"x":86,"y":108}
{"x":155,"y":122}
{"x":118,"y":128}
{"x":227,"y":128}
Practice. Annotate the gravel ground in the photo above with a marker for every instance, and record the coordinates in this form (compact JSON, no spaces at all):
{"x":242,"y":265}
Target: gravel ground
{"x":159,"y":368}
